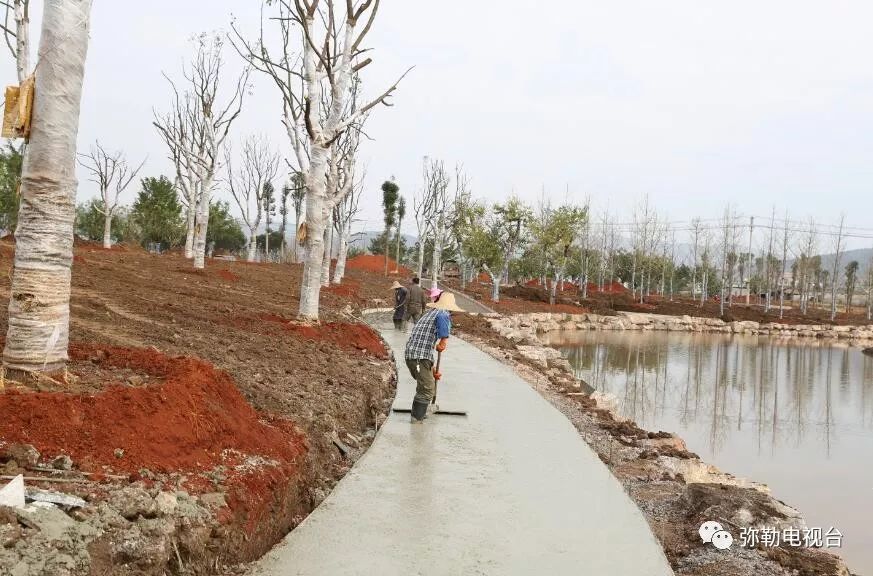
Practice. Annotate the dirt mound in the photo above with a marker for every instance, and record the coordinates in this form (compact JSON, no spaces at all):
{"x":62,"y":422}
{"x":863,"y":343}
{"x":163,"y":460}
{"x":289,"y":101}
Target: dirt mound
{"x":228,"y":275}
{"x":376,"y":263}
{"x":185,"y":422}
{"x":348,"y":289}
{"x":614,"y":288}
{"x":342,"y":334}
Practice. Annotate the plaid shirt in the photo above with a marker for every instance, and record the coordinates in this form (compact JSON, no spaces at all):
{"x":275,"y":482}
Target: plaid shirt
{"x":435,"y":324}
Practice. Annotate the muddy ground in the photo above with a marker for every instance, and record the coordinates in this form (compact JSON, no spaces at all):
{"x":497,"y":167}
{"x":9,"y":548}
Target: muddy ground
{"x":198,"y":420}
{"x":663,"y":478}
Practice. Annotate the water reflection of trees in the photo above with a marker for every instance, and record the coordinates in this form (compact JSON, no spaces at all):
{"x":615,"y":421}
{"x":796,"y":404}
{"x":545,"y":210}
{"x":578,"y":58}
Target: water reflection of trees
{"x":786,"y":393}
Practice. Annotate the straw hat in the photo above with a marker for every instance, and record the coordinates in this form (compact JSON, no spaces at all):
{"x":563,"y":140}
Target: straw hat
{"x":446,"y":302}
{"x":396,"y":285}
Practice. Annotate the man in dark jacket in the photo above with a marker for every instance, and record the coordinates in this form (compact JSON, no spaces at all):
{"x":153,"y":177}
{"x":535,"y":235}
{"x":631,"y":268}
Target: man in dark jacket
{"x":416,"y":301}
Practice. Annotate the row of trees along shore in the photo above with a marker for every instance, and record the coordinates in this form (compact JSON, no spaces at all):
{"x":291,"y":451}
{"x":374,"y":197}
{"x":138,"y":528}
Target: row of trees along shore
{"x":767,"y":262}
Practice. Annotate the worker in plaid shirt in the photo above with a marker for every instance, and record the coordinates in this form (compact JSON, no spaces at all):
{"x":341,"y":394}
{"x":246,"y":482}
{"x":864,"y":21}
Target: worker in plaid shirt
{"x":429,"y":333}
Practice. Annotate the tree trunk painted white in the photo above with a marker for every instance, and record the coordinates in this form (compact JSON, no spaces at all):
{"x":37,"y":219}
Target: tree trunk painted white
{"x":438,"y":239}
{"x":421,"y":242}
{"x":39,"y":306}
{"x":251,"y":253}
{"x":838,"y":254}
{"x":328,"y":250}
{"x":201,"y":220}
{"x":316,"y":216}
{"x":107,"y":229}
{"x":22,"y":40}
{"x":340,"y":270}
{"x":189,"y":229}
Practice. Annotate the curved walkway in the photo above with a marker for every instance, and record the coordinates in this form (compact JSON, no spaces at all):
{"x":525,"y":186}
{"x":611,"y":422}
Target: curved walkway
{"x":509,"y":489}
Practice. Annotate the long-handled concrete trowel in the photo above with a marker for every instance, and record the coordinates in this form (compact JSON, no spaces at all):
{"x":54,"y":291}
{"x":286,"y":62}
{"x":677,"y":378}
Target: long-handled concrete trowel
{"x":436,"y":408}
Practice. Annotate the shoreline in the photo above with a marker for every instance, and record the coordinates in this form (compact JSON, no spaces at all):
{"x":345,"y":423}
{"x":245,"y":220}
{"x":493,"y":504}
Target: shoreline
{"x":675,"y":490}
{"x":527,"y":326}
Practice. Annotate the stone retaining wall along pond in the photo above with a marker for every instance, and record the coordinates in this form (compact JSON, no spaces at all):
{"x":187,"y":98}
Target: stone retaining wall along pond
{"x":525,"y":327}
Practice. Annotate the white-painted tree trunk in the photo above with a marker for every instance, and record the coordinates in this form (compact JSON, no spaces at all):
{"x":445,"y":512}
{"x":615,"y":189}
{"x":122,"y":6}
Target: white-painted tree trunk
{"x":316,"y":217}
{"x":201,"y":220}
{"x":438,"y":239}
{"x":39,"y":306}
{"x":340,"y":270}
{"x":251,"y":253}
{"x":421,"y":242}
{"x":107,"y":229}
{"x":328,"y":252}
{"x":495,"y":284}
{"x":189,"y":228}
{"x":22,"y":41}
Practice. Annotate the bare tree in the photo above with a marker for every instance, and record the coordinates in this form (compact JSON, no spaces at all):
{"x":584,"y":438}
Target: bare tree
{"x":696,"y":226}
{"x":344,"y":217}
{"x":298,"y":196}
{"x":314,"y":72}
{"x":39,"y":306}
{"x":838,"y":256}
{"x":21,"y":35}
{"x":870,"y":289}
{"x":112,"y":174}
{"x":439,"y":186}
{"x":423,"y":208}
{"x":259,"y":166}
{"x":179,"y":130}
{"x":207,"y":123}
{"x":785,"y":240}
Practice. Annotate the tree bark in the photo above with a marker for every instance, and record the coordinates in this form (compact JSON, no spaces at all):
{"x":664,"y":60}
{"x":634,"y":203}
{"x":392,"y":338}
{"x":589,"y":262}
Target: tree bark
{"x":340,"y":270}
{"x":437,"y":262}
{"x":22,"y":40}
{"x":39,"y":306}
{"x":107,"y":229}
{"x":189,"y":229}
{"x":328,"y":252}
{"x":421,"y":242}
{"x":252,"y":247}
{"x":316,"y":216}
{"x":200,"y":222}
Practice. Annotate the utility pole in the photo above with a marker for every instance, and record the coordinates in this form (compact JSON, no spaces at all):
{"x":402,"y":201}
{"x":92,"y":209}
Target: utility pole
{"x":749,"y":266}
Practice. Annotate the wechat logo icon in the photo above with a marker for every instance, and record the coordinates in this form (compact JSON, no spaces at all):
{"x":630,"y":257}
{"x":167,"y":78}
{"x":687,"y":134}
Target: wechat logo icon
{"x":715,"y":534}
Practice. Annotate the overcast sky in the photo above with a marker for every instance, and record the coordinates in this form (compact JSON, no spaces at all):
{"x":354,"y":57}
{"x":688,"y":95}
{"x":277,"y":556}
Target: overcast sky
{"x":694,"y":103}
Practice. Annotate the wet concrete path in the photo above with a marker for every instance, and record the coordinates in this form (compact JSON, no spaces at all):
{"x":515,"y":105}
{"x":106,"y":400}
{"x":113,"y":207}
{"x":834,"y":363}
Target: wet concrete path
{"x":509,"y":489}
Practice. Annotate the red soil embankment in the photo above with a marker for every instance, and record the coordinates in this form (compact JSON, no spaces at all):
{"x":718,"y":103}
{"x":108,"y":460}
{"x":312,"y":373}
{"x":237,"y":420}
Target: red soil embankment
{"x":376,"y":263}
{"x":183,"y":423}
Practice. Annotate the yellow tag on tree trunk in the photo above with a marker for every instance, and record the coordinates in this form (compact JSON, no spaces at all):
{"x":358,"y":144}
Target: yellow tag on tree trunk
{"x":19,"y":106}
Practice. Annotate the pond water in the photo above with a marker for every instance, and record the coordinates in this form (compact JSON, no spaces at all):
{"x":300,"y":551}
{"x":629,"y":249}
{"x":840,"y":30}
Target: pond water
{"x":797,"y":416}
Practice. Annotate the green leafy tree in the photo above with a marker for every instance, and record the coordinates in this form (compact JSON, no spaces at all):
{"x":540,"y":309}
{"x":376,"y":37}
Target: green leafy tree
{"x":157,"y":213}
{"x":401,"y":213}
{"x":223,"y":231}
{"x":554,"y":232}
{"x":851,"y":279}
{"x":268,"y":199}
{"x":390,"y":194}
{"x":10,"y":176}
{"x":89,"y":220}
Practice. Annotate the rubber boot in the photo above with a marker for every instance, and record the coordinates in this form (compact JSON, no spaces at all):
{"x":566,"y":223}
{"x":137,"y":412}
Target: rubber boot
{"x":419,"y":411}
